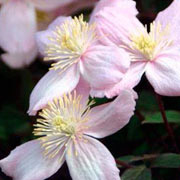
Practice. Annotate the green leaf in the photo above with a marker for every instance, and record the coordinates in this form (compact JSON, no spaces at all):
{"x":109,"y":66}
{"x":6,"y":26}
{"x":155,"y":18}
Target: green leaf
{"x":131,"y":158}
{"x":137,"y":173}
{"x":147,"y":102}
{"x":141,"y":149}
{"x":134,"y":130}
{"x":127,"y":159}
{"x":172,"y":116}
{"x":168,"y":160}
{"x":3,"y":133}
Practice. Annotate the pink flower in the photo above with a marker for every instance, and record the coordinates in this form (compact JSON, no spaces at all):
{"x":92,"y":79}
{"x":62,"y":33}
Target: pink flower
{"x":155,"y":53}
{"x":74,"y":47}
{"x":126,"y":7}
{"x":66,"y":128}
{"x":18,"y":24}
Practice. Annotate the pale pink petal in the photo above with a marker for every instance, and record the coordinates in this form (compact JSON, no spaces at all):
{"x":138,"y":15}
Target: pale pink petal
{"x":115,"y":27}
{"x":126,"y":7}
{"x":53,"y":85}
{"x":104,"y":66}
{"x":19,"y":60}
{"x":91,"y":160}
{"x":42,"y":37}
{"x":169,"y":18}
{"x":49,"y":5}
{"x":17,"y":29}
{"x":59,"y":21}
{"x":129,"y":81}
{"x":27,"y":162}
{"x":109,"y":118}
{"x":83,"y":90}
{"x":164,"y":74}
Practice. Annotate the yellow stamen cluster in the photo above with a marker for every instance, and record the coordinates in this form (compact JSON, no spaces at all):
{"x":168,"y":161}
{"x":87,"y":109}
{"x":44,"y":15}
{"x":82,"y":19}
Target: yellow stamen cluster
{"x":149,"y":44}
{"x":61,"y":121}
{"x":69,"y":41}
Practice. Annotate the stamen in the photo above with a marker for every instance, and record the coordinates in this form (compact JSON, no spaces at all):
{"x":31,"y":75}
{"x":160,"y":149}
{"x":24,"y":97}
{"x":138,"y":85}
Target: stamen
{"x":150,"y":44}
{"x":61,"y":121}
{"x":68,"y":42}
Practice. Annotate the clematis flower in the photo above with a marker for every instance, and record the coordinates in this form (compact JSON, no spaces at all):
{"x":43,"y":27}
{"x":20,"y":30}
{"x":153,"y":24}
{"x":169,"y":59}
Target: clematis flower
{"x":154,"y":50}
{"x":18,"y":24}
{"x":74,"y":48}
{"x":126,"y":7}
{"x":67,"y":127}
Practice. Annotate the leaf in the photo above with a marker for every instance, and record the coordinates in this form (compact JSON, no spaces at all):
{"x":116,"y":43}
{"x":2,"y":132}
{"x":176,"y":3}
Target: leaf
{"x":172,"y":117}
{"x":131,"y":158}
{"x":168,"y":160}
{"x":142,"y":149}
{"x":134,"y":130}
{"x":147,"y":102}
{"x":126,"y":159}
{"x":3,"y":133}
{"x":137,"y":173}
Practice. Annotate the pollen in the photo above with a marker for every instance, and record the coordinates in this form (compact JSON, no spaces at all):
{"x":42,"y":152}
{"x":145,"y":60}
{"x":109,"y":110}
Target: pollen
{"x":69,"y":41}
{"x":150,"y":44}
{"x":62,"y":121}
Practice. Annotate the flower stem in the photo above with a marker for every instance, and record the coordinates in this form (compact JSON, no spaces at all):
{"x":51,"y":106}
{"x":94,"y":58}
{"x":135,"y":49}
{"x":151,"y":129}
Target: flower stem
{"x":121,"y":163}
{"x":166,"y":123}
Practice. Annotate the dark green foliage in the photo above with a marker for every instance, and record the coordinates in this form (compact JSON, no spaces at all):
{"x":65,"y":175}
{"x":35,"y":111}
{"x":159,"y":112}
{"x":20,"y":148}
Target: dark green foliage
{"x":137,"y":173}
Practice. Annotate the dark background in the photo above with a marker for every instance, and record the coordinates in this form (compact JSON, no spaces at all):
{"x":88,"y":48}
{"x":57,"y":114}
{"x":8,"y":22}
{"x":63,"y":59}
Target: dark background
{"x":137,"y":138}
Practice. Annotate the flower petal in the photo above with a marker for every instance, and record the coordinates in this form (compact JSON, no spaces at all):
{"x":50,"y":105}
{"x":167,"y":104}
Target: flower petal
{"x":164,"y":74}
{"x":27,"y":162}
{"x":115,"y":27}
{"x":59,"y":21}
{"x":129,"y":81}
{"x":170,"y":18}
{"x":109,"y":118}
{"x":42,"y":37}
{"x":17,"y":28}
{"x":19,"y":60}
{"x":126,"y":7}
{"x":83,"y":90}
{"x":92,"y":161}
{"x":104,"y":66}
{"x":52,"y":85}
{"x":49,"y":5}
{"x":42,"y":40}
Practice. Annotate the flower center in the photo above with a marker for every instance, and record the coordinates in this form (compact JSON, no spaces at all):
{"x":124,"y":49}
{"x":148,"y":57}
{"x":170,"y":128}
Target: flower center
{"x":63,"y":126}
{"x":69,"y":41}
{"x":150,"y":44}
{"x":61,"y":121}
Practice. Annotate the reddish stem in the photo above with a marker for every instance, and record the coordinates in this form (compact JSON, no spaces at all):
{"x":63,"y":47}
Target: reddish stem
{"x":121,"y":163}
{"x":166,"y":123}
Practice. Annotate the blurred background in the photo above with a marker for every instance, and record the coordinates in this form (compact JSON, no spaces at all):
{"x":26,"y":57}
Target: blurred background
{"x":143,"y":149}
